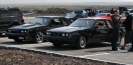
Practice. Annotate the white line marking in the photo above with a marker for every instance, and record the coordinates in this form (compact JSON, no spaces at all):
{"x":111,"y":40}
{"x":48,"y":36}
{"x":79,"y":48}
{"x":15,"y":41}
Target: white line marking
{"x":95,"y":54}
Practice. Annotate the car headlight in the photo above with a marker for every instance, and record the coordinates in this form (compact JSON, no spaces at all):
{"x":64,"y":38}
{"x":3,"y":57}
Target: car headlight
{"x":67,"y":34}
{"x":9,"y":30}
{"x":22,"y":31}
{"x":63,"y":34}
{"x":25,"y":31}
{"x":48,"y":33}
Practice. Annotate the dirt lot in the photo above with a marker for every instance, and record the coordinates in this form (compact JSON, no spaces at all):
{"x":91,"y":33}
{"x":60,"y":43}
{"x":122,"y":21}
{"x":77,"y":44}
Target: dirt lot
{"x":18,"y":57}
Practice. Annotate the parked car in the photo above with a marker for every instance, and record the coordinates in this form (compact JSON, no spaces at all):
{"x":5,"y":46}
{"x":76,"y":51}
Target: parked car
{"x":35,"y":29}
{"x":73,"y":17}
{"x":10,"y":17}
{"x":78,"y":12}
{"x":104,"y":15}
{"x":83,"y":32}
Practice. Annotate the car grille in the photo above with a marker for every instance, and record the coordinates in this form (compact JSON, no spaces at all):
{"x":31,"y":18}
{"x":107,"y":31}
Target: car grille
{"x":54,"y":34}
{"x":15,"y":31}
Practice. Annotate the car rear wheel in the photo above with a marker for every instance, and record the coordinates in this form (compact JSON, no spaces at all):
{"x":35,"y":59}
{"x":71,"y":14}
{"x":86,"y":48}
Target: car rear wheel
{"x":57,"y":45}
{"x":39,"y":37}
{"x":18,"y":40}
{"x":81,"y":42}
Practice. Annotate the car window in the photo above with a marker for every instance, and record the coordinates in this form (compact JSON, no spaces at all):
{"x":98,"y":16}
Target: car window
{"x":69,"y":21}
{"x":66,"y":21}
{"x":14,"y":12}
{"x":4,"y":13}
{"x":109,"y":25}
{"x":100,"y":25}
{"x":82,"y":23}
{"x":56,"y":21}
{"x":40,"y":21}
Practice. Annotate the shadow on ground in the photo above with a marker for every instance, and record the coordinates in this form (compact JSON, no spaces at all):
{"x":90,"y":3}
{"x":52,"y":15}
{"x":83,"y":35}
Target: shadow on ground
{"x":3,"y":36}
{"x":18,"y":43}
{"x":72,"y":47}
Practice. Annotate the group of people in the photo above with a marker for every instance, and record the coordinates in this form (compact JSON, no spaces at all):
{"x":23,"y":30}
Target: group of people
{"x":128,"y":23}
{"x":93,"y":12}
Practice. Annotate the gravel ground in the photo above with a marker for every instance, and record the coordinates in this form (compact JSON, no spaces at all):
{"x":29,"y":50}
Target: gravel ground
{"x":18,"y":57}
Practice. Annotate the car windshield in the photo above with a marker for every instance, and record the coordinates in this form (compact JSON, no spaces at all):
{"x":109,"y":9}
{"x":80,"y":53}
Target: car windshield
{"x":78,"y":12}
{"x":101,"y":15}
{"x":88,"y":23}
{"x":40,"y":21}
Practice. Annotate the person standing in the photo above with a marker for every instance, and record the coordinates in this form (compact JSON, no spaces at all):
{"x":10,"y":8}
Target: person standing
{"x":90,"y":13}
{"x":93,"y":12}
{"x":128,"y":25}
{"x":116,"y":20}
{"x":131,"y":49}
{"x":112,"y":11}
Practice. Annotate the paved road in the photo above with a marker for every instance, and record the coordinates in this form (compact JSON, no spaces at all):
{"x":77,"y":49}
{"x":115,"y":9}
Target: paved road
{"x":101,"y":51}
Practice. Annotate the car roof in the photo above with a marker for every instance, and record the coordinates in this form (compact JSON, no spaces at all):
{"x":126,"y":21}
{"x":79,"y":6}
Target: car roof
{"x":95,"y":18}
{"x":50,"y":16}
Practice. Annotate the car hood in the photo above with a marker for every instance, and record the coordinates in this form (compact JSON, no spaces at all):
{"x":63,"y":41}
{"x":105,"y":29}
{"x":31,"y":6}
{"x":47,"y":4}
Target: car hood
{"x":25,"y":26}
{"x":67,"y":29}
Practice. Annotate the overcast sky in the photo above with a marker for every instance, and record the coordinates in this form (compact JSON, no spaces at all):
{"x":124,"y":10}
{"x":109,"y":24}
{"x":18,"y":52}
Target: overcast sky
{"x":56,"y":1}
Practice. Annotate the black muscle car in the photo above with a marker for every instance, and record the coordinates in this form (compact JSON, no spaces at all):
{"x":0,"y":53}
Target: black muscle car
{"x":82,"y":32}
{"x":36,"y":29}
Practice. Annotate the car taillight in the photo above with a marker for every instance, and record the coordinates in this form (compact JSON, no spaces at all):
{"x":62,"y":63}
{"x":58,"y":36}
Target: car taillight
{"x":22,"y":15}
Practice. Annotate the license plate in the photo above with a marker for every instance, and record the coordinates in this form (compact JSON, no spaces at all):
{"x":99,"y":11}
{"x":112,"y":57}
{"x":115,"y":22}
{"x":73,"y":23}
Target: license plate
{"x":20,"y":37}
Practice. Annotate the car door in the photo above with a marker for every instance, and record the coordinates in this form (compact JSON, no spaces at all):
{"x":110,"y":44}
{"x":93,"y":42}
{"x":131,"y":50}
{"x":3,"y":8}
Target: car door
{"x":4,"y":21}
{"x":101,"y":31}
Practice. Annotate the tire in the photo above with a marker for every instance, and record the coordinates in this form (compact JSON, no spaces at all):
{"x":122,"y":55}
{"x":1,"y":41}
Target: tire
{"x":81,"y":42}
{"x":57,"y":45}
{"x":119,"y":40}
{"x":39,"y":37}
{"x":0,"y":34}
{"x":18,"y":40}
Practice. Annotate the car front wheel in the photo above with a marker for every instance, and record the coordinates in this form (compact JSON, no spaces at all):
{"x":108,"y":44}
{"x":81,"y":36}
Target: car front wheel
{"x":39,"y":37}
{"x":81,"y":42}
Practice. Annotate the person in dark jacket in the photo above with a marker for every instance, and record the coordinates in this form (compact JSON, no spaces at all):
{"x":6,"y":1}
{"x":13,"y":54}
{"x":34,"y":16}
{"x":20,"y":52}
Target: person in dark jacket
{"x":112,"y":11}
{"x":90,"y":13}
{"x":131,"y":49}
{"x":128,"y":25}
{"x":93,"y":13}
{"x":116,"y":20}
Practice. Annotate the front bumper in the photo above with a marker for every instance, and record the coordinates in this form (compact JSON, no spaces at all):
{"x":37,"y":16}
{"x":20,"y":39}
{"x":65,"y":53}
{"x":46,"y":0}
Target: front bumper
{"x":19,"y":36}
{"x":64,"y":40}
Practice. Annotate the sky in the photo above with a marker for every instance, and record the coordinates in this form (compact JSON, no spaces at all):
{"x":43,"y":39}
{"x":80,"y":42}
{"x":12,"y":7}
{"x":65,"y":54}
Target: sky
{"x":56,"y":1}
